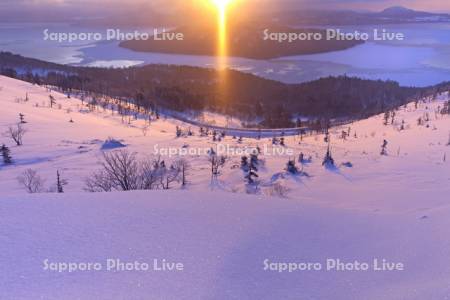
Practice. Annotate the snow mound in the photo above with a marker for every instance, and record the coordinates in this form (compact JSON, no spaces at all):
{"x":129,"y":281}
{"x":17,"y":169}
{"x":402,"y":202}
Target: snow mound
{"x":111,"y":144}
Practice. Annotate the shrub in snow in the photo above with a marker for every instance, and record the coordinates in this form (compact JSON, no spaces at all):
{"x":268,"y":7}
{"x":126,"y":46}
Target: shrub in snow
{"x":16,"y":133}
{"x":122,"y":171}
{"x":31,"y":181}
{"x":278,"y":190}
{"x":111,"y":143}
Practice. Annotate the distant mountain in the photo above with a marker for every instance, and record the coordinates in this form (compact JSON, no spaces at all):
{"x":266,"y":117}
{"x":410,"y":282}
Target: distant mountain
{"x":390,"y":15}
{"x":398,"y":11}
{"x":403,"y":13}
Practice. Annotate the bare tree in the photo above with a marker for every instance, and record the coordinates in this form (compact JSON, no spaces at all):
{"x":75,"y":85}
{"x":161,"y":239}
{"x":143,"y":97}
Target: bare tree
{"x":171,"y":175}
{"x":31,"y":181}
{"x":150,"y":174}
{"x":52,"y":101}
{"x":120,"y":171}
{"x":145,"y":129}
{"x":183,"y":166}
{"x":16,"y":133}
{"x":217,"y":162}
{"x":98,"y":182}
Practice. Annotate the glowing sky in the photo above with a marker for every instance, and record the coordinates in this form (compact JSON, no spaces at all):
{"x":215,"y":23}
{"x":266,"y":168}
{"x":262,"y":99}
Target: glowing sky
{"x":435,"y":5}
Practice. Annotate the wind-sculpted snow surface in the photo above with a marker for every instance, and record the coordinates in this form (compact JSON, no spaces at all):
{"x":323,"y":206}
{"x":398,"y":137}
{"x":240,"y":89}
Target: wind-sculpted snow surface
{"x":230,"y":246}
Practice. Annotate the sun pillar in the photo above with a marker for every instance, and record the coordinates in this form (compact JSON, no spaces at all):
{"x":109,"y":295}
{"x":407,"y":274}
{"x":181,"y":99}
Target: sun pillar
{"x":222,"y":52}
{"x":222,"y":43}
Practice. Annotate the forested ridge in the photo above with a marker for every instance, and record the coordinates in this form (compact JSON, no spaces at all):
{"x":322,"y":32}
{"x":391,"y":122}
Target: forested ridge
{"x":184,"y":88}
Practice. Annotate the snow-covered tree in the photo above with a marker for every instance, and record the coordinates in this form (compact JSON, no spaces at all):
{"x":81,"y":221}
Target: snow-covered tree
{"x":252,"y":168}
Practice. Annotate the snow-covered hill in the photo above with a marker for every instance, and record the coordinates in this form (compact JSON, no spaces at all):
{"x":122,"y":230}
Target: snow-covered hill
{"x":415,"y":158}
{"x":393,"y":207}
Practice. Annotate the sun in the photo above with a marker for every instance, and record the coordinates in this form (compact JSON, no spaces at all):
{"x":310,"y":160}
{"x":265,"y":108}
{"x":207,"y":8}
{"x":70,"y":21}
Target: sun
{"x":221,"y":4}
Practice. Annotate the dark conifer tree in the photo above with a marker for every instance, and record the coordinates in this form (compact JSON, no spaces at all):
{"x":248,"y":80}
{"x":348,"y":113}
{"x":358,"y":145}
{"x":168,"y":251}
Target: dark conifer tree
{"x":291,"y":167}
{"x":328,"y":161}
{"x":22,"y":118}
{"x":384,"y":148}
{"x":60,"y":183}
{"x":6,"y":153}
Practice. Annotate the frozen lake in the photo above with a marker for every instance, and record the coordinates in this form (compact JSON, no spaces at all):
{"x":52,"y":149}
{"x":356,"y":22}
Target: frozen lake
{"x":423,"y":58}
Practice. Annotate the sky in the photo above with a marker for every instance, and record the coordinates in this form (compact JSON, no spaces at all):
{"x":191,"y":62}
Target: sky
{"x":63,"y":9}
{"x":441,"y":5}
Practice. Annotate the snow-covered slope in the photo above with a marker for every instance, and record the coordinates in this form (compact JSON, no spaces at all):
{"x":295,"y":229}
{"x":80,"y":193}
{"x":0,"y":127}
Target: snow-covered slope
{"x":415,"y":161}
{"x":393,"y":207}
